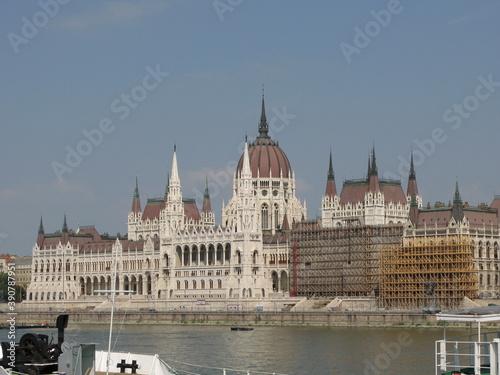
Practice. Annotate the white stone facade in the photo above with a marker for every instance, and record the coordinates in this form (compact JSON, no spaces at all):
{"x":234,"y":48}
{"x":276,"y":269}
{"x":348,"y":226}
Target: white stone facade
{"x":174,"y":252}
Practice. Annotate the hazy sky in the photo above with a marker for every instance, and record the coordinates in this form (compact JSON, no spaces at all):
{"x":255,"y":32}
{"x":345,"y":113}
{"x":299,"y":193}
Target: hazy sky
{"x":95,"y":93}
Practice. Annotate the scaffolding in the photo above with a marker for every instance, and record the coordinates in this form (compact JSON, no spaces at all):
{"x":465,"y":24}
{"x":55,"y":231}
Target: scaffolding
{"x":429,"y":273}
{"x":344,"y":261}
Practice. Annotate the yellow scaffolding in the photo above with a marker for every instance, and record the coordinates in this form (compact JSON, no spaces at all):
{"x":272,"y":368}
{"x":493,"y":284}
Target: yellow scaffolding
{"x":428,"y":273}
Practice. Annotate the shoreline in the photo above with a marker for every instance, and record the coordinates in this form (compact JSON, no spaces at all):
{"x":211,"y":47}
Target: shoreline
{"x":254,"y":319}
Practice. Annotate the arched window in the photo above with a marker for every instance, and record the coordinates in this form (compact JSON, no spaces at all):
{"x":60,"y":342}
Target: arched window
{"x":265,"y":216}
{"x":186,"y":285}
{"x":276,"y":216}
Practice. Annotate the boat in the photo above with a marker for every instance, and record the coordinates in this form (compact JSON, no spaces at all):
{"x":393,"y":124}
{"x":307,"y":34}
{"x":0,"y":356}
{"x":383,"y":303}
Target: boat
{"x":35,"y":355}
{"x":241,"y":329}
{"x":476,"y":353}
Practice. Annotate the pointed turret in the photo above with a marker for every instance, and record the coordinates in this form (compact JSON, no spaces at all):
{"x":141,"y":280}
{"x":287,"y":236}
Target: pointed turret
{"x":65,"y":232}
{"x":331,"y":189}
{"x":65,"y":225}
{"x":174,"y":187}
{"x":457,"y":210}
{"x":246,"y":172}
{"x":207,"y":207}
{"x":263,"y":126}
{"x":412,"y":180}
{"x":40,"y":227}
{"x":136,"y":202}
{"x":207,"y":215}
{"x":373,"y":173}
{"x":41,"y":234}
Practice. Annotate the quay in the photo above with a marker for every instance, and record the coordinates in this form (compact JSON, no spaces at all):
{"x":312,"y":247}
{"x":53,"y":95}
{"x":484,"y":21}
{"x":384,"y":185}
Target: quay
{"x":330,"y":319}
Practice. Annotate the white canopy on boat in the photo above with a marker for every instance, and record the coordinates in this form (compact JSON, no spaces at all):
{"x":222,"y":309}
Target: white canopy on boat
{"x":475,"y":315}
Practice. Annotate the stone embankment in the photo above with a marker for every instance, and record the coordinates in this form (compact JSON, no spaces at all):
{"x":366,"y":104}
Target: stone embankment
{"x":387,"y":319}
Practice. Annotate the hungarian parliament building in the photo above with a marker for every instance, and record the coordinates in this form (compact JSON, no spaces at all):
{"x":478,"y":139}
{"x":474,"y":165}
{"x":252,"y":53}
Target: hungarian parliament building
{"x":175,"y":251}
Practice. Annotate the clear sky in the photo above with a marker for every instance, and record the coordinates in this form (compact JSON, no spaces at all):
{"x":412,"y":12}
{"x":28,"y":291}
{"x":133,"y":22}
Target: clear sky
{"x":95,"y":93}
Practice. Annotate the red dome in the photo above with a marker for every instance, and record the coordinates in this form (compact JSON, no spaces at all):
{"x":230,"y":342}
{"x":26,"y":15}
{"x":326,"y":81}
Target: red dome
{"x":267,"y":159}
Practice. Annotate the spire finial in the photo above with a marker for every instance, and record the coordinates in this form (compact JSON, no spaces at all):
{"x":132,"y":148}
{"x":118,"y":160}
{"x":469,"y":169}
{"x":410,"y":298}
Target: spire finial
{"x":373,"y":169}
{"x":331,"y":174}
{"x":207,"y":192}
{"x":65,"y":225}
{"x":136,"y":190}
{"x":263,"y":127}
{"x":412,"y":168}
{"x":457,"y":199}
{"x":40,"y":228}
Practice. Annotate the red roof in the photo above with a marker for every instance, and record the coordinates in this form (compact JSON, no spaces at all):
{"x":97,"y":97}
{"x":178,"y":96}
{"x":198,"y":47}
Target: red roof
{"x":354,"y":191}
{"x":266,"y":156}
{"x":441,"y":218}
{"x":152,"y":210}
{"x":191,"y":210}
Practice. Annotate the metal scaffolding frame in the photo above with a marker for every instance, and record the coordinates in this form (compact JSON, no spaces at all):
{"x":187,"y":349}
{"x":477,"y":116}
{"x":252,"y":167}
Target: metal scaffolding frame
{"x":344,"y":261}
{"x":428,"y":273}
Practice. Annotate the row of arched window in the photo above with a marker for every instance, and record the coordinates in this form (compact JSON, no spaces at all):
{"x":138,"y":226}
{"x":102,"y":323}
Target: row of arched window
{"x":57,"y":266}
{"x":201,"y":285}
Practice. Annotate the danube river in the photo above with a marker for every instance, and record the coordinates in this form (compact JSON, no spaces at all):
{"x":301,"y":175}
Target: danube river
{"x":283,"y":350}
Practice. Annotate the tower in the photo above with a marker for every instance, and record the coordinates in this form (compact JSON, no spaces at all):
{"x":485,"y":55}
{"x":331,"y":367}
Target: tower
{"x":272,"y":182}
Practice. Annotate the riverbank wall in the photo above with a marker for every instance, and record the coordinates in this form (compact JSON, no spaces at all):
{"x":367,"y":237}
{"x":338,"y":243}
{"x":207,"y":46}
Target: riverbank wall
{"x":392,"y":319}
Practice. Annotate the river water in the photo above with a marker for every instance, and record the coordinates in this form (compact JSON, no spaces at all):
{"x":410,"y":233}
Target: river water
{"x":284,"y":350}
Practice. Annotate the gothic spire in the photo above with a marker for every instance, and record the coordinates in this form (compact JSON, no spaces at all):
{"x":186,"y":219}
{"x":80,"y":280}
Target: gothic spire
{"x":373,"y":167}
{"x":457,"y":210}
{"x":175,"y":172}
{"x":40,"y":228}
{"x":65,"y":225}
{"x":174,"y":187}
{"x":136,"y":201}
{"x":412,"y":168}
{"x":263,"y":126}
{"x":136,"y":190}
{"x":206,"y":194}
{"x":412,"y":179}
{"x":207,"y":207}
{"x":457,"y":200}
{"x":331,"y":189}
{"x":331,"y":175}
{"x":245,"y":170}
{"x":373,"y":173}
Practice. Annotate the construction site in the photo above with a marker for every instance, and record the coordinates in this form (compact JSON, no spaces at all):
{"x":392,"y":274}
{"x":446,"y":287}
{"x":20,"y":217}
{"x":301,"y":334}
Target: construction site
{"x":402,"y":273}
{"x":429,"y":273}
{"x":331,"y":262}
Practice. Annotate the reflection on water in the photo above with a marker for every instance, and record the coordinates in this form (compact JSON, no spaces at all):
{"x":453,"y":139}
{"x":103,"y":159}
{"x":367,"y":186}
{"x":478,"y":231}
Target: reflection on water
{"x":286,"y":350}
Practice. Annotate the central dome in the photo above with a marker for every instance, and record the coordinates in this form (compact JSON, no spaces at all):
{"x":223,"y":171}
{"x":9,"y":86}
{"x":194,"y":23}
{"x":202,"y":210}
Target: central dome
{"x":267,"y":159}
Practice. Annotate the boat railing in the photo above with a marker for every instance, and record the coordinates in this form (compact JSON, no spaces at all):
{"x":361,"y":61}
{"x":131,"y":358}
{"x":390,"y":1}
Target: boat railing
{"x":468,"y":352}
